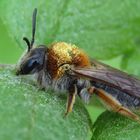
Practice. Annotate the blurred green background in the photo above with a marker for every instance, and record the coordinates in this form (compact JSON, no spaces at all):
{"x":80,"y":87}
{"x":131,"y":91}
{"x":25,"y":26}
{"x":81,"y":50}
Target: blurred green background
{"x":9,"y":50}
{"x":107,"y":30}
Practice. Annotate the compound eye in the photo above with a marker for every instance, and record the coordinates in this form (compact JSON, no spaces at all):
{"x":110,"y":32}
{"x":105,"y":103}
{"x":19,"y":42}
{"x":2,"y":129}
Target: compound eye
{"x":30,"y":66}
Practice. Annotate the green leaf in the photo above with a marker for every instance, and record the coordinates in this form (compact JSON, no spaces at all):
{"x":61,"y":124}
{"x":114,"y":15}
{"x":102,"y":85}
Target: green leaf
{"x":28,"y":113}
{"x":131,"y":64}
{"x":105,"y":29}
{"x":112,"y":126}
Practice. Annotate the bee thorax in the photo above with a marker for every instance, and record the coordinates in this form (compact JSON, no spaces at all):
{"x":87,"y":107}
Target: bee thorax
{"x":61,"y":84}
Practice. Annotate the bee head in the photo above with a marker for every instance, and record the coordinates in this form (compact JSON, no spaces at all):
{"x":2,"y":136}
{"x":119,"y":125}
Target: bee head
{"x":33,"y":60}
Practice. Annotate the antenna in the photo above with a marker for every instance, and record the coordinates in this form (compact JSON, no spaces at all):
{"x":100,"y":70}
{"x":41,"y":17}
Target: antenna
{"x":27,"y":42}
{"x":30,"y":44}
{"x":33,"y":26}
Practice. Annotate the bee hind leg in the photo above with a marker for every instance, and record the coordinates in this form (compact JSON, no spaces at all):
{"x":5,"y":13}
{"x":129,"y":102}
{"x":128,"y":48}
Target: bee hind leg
{"x":71,"y":99}
{"x":115,"y":105}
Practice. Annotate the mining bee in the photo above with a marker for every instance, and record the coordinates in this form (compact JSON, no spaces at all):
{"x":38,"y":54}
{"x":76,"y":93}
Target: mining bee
{"x":66,"y":68}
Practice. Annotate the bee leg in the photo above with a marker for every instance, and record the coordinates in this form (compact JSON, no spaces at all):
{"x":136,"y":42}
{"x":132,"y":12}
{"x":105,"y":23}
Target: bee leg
{"x":71,"y":99}
{"x":115,"y":105}
{"x":41,"y":80}
{"x":42,"y":76}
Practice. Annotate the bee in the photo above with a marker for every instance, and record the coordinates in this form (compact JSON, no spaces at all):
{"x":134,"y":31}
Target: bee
{"x":66,"y":68}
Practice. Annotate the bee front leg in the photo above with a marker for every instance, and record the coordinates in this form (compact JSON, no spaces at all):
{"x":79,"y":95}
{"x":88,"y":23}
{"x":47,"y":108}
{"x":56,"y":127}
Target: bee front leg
{"x":41,"y":80}
{"x":71,"y":99}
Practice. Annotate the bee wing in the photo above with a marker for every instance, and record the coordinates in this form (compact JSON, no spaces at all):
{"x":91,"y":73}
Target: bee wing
{"x":110,"y":76}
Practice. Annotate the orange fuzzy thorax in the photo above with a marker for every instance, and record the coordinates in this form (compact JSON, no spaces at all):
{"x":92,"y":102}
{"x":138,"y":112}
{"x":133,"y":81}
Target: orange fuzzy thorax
{"x":64,"y":53}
